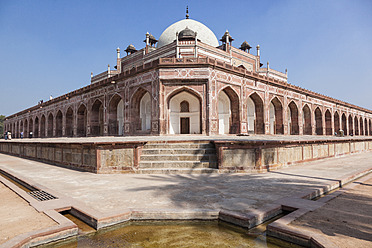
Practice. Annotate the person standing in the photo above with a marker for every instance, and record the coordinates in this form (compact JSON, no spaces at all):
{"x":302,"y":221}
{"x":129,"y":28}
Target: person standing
{"x":22,"y":135}
{"x":9,"y":135}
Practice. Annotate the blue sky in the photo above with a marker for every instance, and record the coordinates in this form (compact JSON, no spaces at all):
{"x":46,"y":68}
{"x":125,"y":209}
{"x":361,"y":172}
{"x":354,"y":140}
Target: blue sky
{"x":50,"y":47}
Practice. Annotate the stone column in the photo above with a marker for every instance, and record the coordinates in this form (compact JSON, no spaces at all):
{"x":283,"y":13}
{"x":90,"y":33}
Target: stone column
{"x":300,"y":120}
{"x":63,"y":124}
{"x":324,"y":122}
{"x":74,"y":126}
{"x":54,"y":125}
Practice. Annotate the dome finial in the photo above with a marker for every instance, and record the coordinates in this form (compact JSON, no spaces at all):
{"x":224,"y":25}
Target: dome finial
{"x":187,"y":12}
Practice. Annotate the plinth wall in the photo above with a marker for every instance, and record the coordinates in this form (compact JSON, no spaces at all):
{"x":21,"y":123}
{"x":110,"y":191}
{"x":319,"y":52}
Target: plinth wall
{"x":260,"y":156}
{"x":232,"y":156}
{"x":91,"y":157}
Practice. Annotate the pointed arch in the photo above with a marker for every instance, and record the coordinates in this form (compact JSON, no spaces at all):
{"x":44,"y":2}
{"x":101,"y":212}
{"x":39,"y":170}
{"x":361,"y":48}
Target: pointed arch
{"x":141,"y":107}
{"x":42,"y":126}
{"x":59,"y":118}
{"x":96,"y":118}
{"x":82,"y":121}
{"x":145,"y":112}
{"x":228,"y":109}
{"x":336,"y":123}
{"x":361,"y":128}
{"x":184,"y":122}
{"x":255,"y":101}
{"x":69,"y":130}
{"x":328,"y":122}
{"x":26,"y":132}
{"x":318,"y":121}
{"x":370,"y":127}
{"x":116,"y":115}
{"x":344,"y":124}
{"x":21,"y":127}
{"x":351,"y":128}
{"x":276,"y":116}
{"x":36,"y":127}
{"x":50,"y":125}
{"x":224,"y":113}
{"x":293,"y":125}
{"x":356,"y":125}
{"x":306,"y":120}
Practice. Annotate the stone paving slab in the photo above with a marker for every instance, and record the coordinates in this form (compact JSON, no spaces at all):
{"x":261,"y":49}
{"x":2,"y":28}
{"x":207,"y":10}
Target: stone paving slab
{"x":112,"y":198}
{"x":345,"y":220}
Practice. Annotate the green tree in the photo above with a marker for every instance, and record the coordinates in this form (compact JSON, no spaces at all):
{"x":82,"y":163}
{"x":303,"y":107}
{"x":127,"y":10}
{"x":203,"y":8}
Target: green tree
{"x":2,"y":118}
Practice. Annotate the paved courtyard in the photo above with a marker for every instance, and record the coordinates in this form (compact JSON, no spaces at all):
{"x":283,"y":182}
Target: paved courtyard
{"x":112,"y":194}
{"x":235,"y":192}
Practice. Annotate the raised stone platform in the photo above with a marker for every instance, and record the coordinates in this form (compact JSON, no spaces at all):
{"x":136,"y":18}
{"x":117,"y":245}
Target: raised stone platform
{"x":183,"y":154}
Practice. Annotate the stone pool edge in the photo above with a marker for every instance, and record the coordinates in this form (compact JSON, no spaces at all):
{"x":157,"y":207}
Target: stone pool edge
{"x":281,"y":228}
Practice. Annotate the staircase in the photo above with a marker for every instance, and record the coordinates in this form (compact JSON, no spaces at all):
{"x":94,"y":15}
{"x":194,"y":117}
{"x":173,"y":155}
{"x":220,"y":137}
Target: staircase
{"x":178,"y":157}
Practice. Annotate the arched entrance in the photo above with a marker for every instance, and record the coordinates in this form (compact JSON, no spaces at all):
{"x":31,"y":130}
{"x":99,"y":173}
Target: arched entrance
{"x":344,"y":124}
{"x":276,"y":116}
{"x":26,"y":134}
{"x":116,"y":115}
{"x":293,"y":126}
{"x":224,"y":113}
{"x":336,"y":122}
{"x":235,"y":110}
{"x":82,"y":121}
{"x":42,"y":126}
{"x":36,"y":127}
{"x":328,"y":122}
{"x":21,"y":127}
{"x":50,"y":125}
{"x":318,"y":121}
{"x":184,"y":114}
{"x":69,"y":132}
{"x":306,"y":120}
{"x":141,"y":111}
{"x":96,"y":119}
{"x":361,"y":123}
{"x":356,"y":125}
{"x":370,"y":127}
{"x":59,"y":124}
{"x":255,"y":114}
{"x":145,"y":112}
{"x":351,"y":128}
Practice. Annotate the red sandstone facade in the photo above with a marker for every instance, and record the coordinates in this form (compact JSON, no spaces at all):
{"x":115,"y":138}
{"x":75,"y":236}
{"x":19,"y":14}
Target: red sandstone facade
{"x":189,"y":86}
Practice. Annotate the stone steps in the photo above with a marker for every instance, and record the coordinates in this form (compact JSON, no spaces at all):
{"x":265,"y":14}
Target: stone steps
{"x":177,"y":171}
{"x":177,"y":164}
{"x":179,"y":151}
{"x":180,"y":157}
{"x":179,"y":145}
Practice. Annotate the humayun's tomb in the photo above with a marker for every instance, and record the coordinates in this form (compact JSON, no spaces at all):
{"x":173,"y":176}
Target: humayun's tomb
{"x":188,"y":83}
{"x":186,"y":103}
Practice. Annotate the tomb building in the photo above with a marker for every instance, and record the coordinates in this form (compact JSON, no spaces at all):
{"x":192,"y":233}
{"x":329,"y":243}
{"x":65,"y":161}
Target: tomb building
{"x":190,"y":82}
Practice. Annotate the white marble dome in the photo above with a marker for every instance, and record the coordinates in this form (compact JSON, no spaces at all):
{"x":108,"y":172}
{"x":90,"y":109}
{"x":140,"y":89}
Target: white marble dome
{"x":204,"y":34}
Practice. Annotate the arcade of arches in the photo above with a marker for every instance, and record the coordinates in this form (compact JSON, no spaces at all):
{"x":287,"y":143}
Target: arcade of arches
{"x":185,"y":114}
{"x":189,"y":84}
